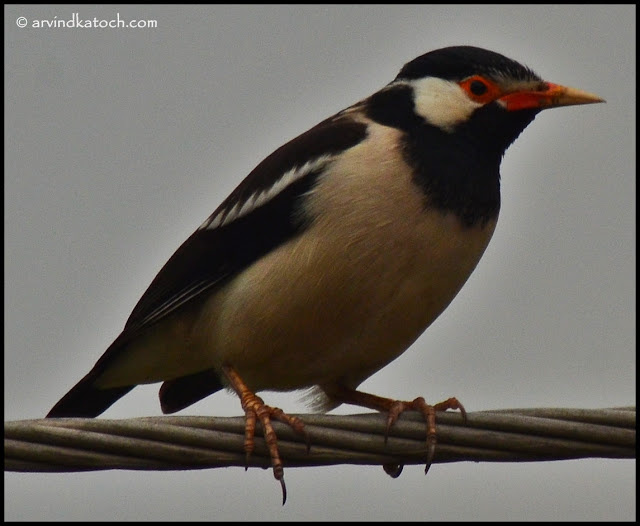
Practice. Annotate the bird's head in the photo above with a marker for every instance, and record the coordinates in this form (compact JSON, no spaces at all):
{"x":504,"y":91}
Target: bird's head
{"x":461,"y":86}
{"x":460,"y":108}
{"x":452,"y":84}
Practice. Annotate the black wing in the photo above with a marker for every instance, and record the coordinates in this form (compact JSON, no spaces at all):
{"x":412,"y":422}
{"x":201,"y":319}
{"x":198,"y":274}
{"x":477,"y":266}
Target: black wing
{"x":213,"y":254}
{"x":243,"y":229}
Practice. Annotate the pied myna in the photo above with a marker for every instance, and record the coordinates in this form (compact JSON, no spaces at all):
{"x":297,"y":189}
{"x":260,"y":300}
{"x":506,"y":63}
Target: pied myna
{"x":335,"y":253}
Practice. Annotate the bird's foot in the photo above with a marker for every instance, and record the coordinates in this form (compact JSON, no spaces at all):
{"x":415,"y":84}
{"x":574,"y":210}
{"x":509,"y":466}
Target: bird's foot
{"x":255,"y":409}
{"x":429,"y":414}
{"x":394,"y":408}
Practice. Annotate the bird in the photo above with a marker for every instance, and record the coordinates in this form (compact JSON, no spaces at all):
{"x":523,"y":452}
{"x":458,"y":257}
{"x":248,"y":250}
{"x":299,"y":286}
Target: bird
{"x":335,"y":253}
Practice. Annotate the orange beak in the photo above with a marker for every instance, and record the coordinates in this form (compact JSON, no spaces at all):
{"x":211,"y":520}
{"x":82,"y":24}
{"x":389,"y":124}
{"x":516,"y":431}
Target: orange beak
{"x":552,"y":96}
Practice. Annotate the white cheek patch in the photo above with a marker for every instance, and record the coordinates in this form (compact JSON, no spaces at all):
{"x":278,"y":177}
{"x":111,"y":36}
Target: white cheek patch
{"x":442,"y":102}
{"x":261,"y":197}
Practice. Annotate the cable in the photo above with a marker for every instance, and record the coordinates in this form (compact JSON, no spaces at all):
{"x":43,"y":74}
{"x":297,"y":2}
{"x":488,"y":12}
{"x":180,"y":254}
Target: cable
{"x":183,"y":442}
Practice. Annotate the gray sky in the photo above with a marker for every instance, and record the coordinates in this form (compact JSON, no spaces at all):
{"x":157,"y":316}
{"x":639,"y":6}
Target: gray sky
{"x":120,"y":142}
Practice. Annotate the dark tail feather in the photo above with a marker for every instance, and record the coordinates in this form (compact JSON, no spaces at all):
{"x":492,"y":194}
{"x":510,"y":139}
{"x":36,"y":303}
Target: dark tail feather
{"x":182,"y":392}
{"x":87,"y":401}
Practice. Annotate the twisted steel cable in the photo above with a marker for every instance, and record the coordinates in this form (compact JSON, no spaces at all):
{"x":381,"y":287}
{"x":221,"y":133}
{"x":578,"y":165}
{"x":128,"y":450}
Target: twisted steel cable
{"x":183,"y":442}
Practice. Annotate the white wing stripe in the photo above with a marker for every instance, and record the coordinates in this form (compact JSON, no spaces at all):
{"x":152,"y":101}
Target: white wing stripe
{"x":257,"y":199}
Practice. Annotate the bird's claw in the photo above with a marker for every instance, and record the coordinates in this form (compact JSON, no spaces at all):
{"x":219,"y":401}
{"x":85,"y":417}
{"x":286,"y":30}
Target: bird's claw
{"x":255,"y":409}
{"x":429,"y":413}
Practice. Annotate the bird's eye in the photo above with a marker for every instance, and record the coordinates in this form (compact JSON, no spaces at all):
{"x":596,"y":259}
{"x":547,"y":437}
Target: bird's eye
{"x":480,"y":89}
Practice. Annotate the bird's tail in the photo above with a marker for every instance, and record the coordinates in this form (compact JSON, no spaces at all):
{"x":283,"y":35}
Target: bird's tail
{"x":181,"y":392}
{"x":86,"y":400}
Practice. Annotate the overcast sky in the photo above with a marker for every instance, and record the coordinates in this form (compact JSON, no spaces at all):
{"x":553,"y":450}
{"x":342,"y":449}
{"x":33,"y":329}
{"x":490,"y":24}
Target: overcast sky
{"x":120,"y":142}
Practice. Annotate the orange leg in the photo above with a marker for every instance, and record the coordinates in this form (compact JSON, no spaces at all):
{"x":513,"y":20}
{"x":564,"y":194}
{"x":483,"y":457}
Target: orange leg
{"x":394,"y":408}
{"x":255,"y":409}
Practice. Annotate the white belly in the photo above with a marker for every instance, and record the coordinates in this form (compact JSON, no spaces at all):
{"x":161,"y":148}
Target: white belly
{"x":351,"y":294}
{"x":328,"y":318}
{"x":369,"y":275}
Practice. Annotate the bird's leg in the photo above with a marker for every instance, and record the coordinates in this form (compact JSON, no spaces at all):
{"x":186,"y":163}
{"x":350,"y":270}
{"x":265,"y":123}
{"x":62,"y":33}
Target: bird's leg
{"x":255,"y":409}
{"x":394,"y":408}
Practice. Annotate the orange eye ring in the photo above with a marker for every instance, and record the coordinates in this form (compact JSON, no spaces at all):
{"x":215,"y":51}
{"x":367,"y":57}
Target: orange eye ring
{"x":480,"y":89}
